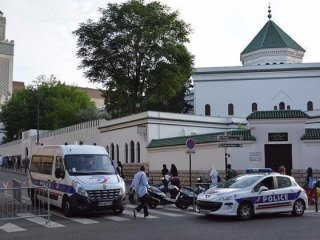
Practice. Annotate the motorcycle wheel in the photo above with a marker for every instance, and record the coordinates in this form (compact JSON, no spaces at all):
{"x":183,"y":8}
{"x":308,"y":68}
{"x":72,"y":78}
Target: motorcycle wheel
{"x":152,"y":205}
{"x":132,"y":199}
{"x":182,"y":205}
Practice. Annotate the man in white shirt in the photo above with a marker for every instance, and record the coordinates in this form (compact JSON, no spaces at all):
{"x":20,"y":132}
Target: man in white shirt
{"x":140,"y":185}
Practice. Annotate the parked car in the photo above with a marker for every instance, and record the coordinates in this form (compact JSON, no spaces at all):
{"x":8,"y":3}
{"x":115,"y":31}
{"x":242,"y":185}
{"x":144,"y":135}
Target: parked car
{"x":254,"y":193}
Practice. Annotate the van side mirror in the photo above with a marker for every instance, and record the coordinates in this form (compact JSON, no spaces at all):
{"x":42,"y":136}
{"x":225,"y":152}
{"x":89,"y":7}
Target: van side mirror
{"x":59,"y":173}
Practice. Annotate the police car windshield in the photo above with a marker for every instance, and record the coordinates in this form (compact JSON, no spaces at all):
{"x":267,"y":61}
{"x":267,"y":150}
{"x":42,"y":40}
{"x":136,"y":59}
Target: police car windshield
{"x":89,"y":164}
{"x":240,"y":182}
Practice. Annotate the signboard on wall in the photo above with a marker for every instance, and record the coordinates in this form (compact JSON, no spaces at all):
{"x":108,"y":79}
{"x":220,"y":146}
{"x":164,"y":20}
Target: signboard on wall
{"x":255,"y":156}
{"x":276,"y":137}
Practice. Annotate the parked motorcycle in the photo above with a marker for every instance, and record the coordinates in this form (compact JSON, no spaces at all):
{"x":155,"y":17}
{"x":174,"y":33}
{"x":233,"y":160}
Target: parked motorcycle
{"x":171,"y":185}
{"x":155,"y":197}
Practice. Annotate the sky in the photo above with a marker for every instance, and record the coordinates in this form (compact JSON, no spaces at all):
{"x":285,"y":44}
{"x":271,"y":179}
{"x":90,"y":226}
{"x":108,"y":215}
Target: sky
{"x":221,"y":29}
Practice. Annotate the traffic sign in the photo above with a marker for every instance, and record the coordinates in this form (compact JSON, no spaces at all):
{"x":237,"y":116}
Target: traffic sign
{"x":230,"y":145}
{"x":190,"y":143}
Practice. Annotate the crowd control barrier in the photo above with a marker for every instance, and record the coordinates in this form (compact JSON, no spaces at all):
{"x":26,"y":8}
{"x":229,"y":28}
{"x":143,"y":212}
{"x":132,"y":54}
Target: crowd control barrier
{"x":18,"y":202}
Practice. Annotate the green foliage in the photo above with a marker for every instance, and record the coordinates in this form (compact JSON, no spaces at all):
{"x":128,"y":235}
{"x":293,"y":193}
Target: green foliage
{"x":136,"y":50}
{"x":58,"y":105}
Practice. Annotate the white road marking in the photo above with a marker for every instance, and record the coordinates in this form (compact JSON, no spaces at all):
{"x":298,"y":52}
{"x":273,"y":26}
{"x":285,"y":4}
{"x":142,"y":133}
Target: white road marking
{"x":9,"y":227}
{"x":159,"y":212}
{"x":75,"y":219}
{"x":39,"y":220}
{"x":117,"y":218}
{"x":138,"y":214}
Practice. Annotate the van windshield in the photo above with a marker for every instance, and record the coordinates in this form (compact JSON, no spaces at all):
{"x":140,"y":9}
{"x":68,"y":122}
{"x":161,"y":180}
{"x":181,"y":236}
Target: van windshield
{"x":88,"y":164}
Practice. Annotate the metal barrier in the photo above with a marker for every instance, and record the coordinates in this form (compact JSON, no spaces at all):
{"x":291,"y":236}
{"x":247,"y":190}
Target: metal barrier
{"x":18,"y":202}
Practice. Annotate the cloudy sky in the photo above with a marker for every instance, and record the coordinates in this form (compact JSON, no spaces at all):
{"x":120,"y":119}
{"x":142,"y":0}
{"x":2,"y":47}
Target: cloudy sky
{"x":44,"y":44}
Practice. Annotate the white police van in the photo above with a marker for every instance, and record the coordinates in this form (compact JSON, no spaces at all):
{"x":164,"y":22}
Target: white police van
{"x":255,"y":193}
{"x":79,"y":178}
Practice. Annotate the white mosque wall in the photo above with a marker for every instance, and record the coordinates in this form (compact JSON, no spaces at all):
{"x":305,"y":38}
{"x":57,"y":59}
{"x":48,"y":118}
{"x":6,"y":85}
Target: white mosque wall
{"x":293,"y":84}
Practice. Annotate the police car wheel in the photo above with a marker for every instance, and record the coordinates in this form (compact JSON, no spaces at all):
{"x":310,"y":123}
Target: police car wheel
{"x":67,"y":210}
{"x":245,"y":211}
{"x":298,"y":208}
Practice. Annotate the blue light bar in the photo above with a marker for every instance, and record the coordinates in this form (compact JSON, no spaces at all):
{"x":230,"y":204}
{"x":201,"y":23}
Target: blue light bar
{"x":258,"y":170}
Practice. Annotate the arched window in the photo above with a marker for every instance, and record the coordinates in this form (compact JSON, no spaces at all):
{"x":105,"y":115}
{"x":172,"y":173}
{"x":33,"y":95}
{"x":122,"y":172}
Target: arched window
{"x":254,"y":107}
{"x":275,"y":108}
{"x":288,"y":107}
{"x":282,"y":106}
{"x":112,"y":151}
{"x":207,"y":110}
{"x":230,"y":109}
{"x":107,"y":148}
{"x":126,"y":152}
{"x":309,"y":106}
{"x":117,"y":152}
{"x":132,"y":152}
{"x":138,"y":152}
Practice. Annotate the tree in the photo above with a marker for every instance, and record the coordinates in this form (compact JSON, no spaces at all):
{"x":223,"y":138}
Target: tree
{"x":136,"y":51}
{"x":59,"y":106}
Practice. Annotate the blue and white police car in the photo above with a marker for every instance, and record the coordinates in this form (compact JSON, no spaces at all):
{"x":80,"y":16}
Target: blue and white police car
{"x":261,"y":191}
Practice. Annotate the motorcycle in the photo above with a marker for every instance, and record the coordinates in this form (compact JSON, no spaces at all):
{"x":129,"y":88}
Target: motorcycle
{"x":187,"y":195}
{"x":185,"y":198}
{"x":171,"y":185}
{"x":155,"y":197}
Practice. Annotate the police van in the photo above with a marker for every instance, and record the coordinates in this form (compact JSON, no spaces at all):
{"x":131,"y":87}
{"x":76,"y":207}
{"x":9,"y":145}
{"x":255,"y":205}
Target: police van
{"x":76,"y":178}
{"x":259,"y":191}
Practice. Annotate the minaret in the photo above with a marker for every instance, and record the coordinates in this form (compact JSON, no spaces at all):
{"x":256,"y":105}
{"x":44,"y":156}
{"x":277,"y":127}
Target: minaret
{"x":6,"y":62}
{"x":272,"y":46}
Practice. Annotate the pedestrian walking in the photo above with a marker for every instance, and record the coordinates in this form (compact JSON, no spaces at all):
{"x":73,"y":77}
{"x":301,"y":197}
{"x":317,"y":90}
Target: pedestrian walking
{"x":140,"y":185}
{"x":282,"y":170}
{"x":309,"y":186}
{"x":173,"y":171}
{"x":230,"y":173}
{"x":214,"y":176}
{"x":26,"y":164}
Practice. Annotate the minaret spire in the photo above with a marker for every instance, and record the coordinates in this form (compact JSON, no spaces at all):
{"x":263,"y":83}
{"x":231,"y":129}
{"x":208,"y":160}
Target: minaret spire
{"x":269,"y":11}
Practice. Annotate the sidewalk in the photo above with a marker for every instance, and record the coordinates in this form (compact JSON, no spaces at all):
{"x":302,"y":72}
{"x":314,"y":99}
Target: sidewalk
{"x":13,"y":171}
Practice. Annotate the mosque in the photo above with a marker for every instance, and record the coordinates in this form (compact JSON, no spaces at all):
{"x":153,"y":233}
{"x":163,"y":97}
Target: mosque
{"x":262,"y":114}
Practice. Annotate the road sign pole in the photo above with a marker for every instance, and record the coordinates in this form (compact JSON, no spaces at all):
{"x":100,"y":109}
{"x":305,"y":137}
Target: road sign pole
{"x":225,"y":158}
{"x":190,"y":169}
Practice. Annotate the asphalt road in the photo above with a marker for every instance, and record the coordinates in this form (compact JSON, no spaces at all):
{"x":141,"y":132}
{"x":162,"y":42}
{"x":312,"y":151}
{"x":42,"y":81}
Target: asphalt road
{"x":167,"y":223}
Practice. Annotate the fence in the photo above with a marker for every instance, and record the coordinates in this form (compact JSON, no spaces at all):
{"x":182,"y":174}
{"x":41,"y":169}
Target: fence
{"x":18,"y":202}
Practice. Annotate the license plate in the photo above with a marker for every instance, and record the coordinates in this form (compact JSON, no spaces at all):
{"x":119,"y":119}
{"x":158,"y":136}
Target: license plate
{"x":102,"y":204}
{"x":204,"y":211}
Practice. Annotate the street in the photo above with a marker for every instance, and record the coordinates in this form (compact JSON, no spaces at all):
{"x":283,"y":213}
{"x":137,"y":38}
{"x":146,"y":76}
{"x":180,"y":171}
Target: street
{"x":165,"y":223}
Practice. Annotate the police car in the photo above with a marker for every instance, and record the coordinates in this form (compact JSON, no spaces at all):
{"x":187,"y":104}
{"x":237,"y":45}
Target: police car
{"x":261,"y":191}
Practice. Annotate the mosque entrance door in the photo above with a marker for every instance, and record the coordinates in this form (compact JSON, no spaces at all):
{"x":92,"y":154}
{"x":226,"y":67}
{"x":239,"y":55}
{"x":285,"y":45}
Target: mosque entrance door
{"x":277,"y":155}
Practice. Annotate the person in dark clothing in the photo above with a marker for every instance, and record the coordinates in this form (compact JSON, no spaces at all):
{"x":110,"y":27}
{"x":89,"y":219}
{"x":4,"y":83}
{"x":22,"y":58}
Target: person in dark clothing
{"x":173,"y":171}
{"x":310,"y":186}
{"x":230,"y":173}
{"x":165,"y":170}
{"x":119,"y":169}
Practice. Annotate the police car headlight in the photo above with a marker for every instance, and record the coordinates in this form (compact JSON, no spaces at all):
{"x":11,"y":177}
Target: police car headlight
{"x":227,"y":198}
{"x":79,"y":189}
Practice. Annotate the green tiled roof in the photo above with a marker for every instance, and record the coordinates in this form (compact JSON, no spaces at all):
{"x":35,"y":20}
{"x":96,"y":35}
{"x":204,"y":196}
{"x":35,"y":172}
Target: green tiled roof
{"x":277,"y":114}
{"x":199,"y":139}
{"x":311,"y":134}
{"x":271,"y":36}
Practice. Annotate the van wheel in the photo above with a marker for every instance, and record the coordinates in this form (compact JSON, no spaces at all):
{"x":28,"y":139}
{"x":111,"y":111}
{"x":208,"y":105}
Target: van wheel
{"x":298,"y":208}
{"x":245,"y":211}
{"x":66,"y":207}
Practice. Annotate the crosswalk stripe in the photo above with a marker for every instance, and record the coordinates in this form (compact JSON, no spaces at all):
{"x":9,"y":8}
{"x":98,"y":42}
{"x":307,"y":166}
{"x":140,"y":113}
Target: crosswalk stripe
{"x":138,"y":214}
{"x":39,"y":220}
{"x":9,"y":227}
{"x":191,"y":212}
{"x":159,"y":212}
{"x":75,"y":219}
{"x":117,"y":218}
